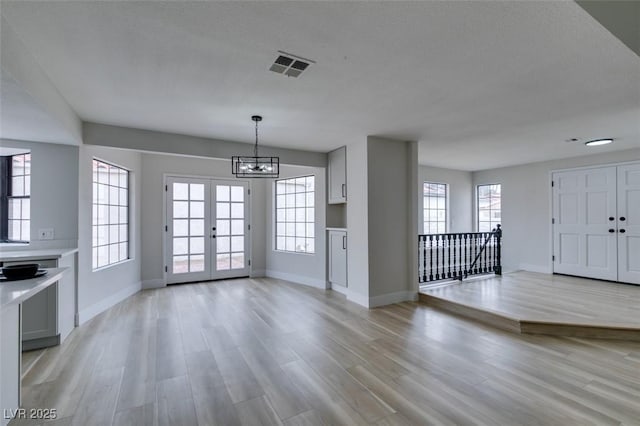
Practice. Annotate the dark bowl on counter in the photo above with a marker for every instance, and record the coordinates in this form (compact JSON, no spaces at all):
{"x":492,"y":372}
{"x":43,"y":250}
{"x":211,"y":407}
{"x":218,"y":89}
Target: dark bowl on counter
{"x":16,"y":272}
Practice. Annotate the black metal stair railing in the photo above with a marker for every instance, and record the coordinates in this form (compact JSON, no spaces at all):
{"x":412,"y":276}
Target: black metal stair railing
{"x":457,"y":256}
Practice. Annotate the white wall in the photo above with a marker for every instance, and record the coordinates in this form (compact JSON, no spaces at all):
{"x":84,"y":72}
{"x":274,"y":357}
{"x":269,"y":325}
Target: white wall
{"x":309,"y":269}
{"x":526,"y":206}
{"x":99,"y":290}
{"x":460,"y":196}
{"x":54,"y":195}
{"x":154,"y":167}
{"x":32,"y":106}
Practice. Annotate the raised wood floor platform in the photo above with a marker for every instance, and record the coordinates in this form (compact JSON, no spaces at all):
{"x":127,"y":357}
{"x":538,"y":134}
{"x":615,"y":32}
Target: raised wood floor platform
{"x":533,"y":303}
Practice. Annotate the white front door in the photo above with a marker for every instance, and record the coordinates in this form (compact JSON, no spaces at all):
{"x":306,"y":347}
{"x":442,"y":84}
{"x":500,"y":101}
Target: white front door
{"x":207,"y":229}
{"x":628,"y":221}
{"x":584,"y":229}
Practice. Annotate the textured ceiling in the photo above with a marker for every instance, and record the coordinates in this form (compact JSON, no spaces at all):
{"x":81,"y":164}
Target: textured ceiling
{"x":479,"y":84}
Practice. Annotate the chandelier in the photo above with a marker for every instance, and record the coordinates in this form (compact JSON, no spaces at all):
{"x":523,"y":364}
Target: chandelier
{"x":256,"y":166}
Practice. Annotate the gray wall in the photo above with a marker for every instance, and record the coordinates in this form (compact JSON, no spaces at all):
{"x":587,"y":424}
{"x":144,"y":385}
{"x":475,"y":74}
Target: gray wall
{"x":154,"y":167}
{"x":526,"y":206}
{"x":54,"y":194}
{"x":357,"y":223}
{"x":171,"y":143}
{"x":391,"y":209}
{"x":98,"y":290}
{"x":309,"y":269}
{"x":460,"y":183}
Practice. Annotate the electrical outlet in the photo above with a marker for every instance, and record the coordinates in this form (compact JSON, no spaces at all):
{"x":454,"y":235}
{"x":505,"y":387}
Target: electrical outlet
{"x":45,"y":233}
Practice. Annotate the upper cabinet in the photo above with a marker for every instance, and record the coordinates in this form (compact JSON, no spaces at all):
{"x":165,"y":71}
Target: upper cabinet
{"x":338,"y":176}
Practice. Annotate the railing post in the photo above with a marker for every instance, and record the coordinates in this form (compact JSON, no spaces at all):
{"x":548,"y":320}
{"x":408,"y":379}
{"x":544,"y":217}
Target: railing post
{"x":498,"y":234}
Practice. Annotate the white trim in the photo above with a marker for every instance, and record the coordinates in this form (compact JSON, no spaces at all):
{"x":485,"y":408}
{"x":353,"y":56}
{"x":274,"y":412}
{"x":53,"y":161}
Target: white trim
{"x":154,"y":283}
{"x":595,"y":166}
{"x":358,"y":299}
{"x":536,"y":268}
{"x":390,"y":298}
{"x":338,"y":288}
{"x":97,"y":308}
{"x":297,"y":279}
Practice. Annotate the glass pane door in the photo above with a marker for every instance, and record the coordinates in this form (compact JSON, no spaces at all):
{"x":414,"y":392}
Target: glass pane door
{"x":231,"y":229}
{"x":207,"y":229}
{"x":188,"y":211}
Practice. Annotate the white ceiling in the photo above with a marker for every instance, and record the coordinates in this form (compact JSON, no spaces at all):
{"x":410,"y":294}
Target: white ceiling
{"x":479,"y":84}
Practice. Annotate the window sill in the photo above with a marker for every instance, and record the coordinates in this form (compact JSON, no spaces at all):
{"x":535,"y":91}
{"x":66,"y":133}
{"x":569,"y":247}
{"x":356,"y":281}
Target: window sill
{"x":14,"y":245}
{"x":104,"y":268}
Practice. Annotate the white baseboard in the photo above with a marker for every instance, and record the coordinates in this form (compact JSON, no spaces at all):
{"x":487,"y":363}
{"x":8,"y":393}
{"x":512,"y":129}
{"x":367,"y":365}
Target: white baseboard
{"x":338,"y":288}
{"x":358,"y":299}
{"x":536,"y":268}
{"x":390,"y":298}
{"x":298,"y":279}
{"x":97,"y":308}
{"x":258,"y":273}
{"x":154,"y":283}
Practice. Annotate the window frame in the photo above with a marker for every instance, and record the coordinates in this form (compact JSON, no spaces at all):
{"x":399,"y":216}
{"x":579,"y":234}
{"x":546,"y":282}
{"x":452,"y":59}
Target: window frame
{"x":446,"y":207}
{"x":294,"y":222}
{"x":95,"y":217}
{"x":7,"y":195}
{"x":490,"y":221}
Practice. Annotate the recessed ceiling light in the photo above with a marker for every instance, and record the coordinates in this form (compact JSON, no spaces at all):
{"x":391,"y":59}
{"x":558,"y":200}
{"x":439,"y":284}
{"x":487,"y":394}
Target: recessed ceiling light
{"x":598,"y":142}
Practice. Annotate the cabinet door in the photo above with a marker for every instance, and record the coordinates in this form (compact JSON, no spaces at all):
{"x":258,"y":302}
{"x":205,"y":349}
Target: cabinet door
{"x":338,"y":176}
{"x":338,"y":258}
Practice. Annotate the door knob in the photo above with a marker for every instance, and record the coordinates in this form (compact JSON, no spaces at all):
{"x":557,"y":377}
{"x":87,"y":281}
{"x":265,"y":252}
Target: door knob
{"x":612,"y":231}
{"x":623,"y":218}
{"x":612,"y":218}
{"x":622,"y":231}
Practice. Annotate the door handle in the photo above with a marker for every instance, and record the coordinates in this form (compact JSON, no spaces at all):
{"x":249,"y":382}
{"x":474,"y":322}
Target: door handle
{"x":622,"y":218}
{"x":612,"y":218}
{"x":612,"y":231}
{"x":622,"y":231}
{"x":344,"y":242}
{"x":344,"y":188}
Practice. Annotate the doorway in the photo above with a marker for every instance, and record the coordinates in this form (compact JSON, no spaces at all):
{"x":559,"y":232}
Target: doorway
{"x":596,"y":223}
{"x":207,"y":230}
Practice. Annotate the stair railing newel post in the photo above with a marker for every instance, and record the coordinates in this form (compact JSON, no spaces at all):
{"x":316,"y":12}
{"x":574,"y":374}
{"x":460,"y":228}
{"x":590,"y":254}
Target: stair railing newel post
{"x":498,"y":236}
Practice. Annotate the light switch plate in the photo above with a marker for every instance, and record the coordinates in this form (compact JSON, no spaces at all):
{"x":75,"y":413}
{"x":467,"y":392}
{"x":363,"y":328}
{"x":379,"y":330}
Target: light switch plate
{"x":45,"y":234}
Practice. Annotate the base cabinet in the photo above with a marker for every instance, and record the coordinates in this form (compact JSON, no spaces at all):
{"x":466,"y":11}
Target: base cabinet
{"x":338,"y":258}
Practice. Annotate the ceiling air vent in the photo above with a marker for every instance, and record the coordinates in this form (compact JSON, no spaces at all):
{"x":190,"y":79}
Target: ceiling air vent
{"x":290,"y":65}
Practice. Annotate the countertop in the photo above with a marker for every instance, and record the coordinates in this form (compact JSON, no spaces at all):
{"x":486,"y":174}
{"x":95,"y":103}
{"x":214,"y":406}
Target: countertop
{"x":15,"y":255}
{"x":336,"y":229}
{"x":12,"y":292}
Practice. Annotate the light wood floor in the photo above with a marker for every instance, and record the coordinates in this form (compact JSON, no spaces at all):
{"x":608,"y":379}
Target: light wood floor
{"x":544,"y":297}
{"x":268,"y":352}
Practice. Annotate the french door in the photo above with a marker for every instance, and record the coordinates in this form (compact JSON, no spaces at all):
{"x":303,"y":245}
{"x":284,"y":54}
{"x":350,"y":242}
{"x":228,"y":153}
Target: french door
{"x":207,"y":227}
{"x":596,"y":223}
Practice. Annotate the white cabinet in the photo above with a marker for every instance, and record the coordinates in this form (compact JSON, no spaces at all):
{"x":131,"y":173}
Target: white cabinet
{"x":338,"y":176}
{"x":48,"y":316}
{"x":338,"y":258}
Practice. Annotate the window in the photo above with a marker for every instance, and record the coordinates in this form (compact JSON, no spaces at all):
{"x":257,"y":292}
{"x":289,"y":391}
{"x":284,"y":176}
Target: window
{"x":110,"y":214}
{"x":435,"y":207}
{"x":16,"y":198}
{"x":295,"y":214}
{"x":489,"y":207}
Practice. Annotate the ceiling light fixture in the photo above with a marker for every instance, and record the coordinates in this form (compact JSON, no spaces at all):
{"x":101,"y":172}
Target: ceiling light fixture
{"x":598,"y":142}
{"x":256,"y":166}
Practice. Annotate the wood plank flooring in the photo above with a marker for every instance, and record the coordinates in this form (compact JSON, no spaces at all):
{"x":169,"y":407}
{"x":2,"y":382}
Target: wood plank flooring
{"x":263,"y":351}
{"x":547,"y":298}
